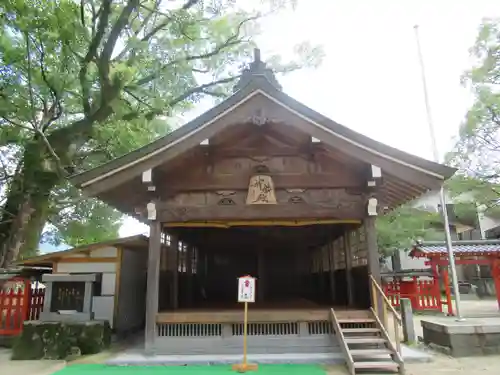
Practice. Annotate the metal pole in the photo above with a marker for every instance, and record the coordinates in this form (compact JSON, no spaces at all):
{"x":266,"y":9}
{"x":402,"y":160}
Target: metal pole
{"x":444,"y":210}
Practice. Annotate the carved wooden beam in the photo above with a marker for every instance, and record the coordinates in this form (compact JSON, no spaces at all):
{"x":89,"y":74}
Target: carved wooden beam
{"x":168,"y":213}
{"x":208,"y":182}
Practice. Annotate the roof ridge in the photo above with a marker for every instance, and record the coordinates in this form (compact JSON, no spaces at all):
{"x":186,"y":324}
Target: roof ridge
{"x":459,"y":242}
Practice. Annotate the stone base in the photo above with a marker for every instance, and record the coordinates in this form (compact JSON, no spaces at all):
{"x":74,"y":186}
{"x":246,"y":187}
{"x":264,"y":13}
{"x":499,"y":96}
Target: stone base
{"x":463,"y":339}
{"x":79,"y":317}
{"x":137,"y":357}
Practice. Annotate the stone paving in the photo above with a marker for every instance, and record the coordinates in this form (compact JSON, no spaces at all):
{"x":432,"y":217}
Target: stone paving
{"x":9,"y":367}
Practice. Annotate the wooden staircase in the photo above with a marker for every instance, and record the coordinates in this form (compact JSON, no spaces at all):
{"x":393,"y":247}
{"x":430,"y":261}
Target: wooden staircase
{"x":366,"y":344}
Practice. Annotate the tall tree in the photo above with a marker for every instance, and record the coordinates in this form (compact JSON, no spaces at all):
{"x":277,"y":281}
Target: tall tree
{"x":399,"y":229}
{"x":477,"y":151}
{"x":82,"y":82}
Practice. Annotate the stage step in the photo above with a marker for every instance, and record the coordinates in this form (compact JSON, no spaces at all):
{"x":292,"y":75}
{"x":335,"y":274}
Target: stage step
{"x":370,"y":352}
{"x":367,"y":345}
{"x":364,"y":340}
{"x":356,"y":321}
{"x":360,"y":330}
{"x":377,"y":365}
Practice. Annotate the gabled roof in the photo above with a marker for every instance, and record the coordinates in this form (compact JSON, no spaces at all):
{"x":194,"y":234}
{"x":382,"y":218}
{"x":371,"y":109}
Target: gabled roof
{"x":182,"y":139}
{"x":133,"y":241}
{"x":460,"y":248}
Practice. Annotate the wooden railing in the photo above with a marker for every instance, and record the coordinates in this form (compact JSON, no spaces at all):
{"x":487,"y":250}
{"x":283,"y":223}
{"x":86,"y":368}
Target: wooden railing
{"x":342,"y":343}
{"x":377,"y":296}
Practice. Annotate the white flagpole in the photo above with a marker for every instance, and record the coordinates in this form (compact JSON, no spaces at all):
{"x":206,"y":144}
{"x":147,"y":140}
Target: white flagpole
{"x":444,"y":210}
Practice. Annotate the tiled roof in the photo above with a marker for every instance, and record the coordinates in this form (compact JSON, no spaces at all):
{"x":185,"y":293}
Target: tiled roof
{"x":479,"y":247}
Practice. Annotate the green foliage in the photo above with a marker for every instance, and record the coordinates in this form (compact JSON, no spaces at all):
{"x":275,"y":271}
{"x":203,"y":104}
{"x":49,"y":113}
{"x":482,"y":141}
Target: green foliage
{"x":54,"y":340}
{"x":84,"y":82}
{"x":477,"y":151}
{"x":399,"y":229}
{"x":472,"y":194}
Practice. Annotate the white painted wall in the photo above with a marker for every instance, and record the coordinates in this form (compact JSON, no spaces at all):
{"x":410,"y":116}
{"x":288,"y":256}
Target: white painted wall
{"x":103,"y":308}
{"x":104,"y":252}
{"x":85,"y":267}
{"x":409,"y":263}
{"x":486,"y":223}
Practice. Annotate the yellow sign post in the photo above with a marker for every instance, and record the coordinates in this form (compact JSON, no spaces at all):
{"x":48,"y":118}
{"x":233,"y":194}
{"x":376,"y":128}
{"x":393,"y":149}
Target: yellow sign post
{"x":246,"y":294}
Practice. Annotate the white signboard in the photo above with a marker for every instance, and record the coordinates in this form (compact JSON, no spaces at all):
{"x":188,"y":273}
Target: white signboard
{"x":246,"y":289}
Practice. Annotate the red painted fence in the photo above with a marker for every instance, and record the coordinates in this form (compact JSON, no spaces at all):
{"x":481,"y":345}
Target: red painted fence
{"x":423,"y":294}
{"x":18,"y":303}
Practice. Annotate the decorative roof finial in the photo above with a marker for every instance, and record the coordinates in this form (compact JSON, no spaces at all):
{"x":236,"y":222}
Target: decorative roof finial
{"x":257,"y":68}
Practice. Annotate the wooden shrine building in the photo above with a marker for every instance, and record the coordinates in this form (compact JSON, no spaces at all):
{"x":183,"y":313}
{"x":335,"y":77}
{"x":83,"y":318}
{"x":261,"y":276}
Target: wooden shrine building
{"x":261,"y":185}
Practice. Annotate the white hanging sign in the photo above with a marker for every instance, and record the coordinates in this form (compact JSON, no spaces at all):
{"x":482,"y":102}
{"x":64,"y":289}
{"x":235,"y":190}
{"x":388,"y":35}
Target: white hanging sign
{"x":246,"y":289}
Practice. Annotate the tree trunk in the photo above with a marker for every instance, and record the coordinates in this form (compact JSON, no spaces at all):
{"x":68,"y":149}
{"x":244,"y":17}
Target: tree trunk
{"x":28,"y":196}
{"x":24,"y":212}
{"x":35,"y":225}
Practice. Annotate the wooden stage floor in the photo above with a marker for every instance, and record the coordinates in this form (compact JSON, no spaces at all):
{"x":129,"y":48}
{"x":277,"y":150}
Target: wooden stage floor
{"x":292,"y":311}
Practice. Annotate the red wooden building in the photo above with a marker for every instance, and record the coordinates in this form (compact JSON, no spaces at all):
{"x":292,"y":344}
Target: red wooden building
{"x":482,"y":252}
{"x":21,"y":299}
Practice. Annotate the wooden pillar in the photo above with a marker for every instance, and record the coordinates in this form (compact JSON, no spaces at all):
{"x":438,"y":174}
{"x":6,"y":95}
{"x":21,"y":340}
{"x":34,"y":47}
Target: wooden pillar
{"x":261,"y":278}
{"x":174,"y":242}
{"x":189,"y":275}
{"x":321,"y":276}
{"x":348,"y":269}
{"x":373,"y":260}
{"x":153,"y":276}
{"x":495,"y":272}
{"x":437,"y":284}
{"x":331,"y":270}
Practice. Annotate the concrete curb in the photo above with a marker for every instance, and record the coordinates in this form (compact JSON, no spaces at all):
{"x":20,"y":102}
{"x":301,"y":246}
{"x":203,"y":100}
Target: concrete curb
{"x":182,"y":360}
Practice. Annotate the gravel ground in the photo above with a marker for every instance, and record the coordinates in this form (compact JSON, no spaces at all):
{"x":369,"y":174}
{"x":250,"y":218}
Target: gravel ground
{"x":442,"y":365}
{"x":445,"y":365}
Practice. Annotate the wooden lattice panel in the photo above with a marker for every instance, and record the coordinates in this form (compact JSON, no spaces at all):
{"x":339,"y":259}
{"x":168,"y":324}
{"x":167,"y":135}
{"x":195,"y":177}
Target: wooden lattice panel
{"x":359,"y":248}
{"x":339,"y":253}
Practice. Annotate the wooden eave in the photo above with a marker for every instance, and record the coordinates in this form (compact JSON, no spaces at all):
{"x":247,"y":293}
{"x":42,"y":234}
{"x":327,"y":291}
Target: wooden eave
{"x":405,"y":176}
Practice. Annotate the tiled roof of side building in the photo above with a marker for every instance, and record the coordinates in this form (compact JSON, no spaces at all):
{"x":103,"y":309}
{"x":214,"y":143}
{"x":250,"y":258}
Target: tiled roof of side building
{"x":477,"y":247}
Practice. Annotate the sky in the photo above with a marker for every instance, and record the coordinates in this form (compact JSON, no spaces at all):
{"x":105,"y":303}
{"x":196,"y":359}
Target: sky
{"x":370,"y":79}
